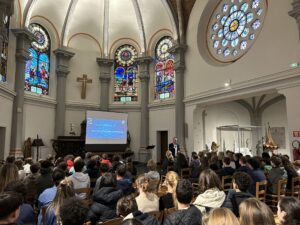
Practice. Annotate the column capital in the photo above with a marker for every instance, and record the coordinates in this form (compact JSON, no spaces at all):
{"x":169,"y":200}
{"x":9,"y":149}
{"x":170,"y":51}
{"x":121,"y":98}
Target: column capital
{"x":295,"y":12}
{"x":63,"y":52}
{"x":62,"y":71}
{"x":24,"y":38}
{"x":178,"y":49}
{"x":104,"y":77}
{"x":144,"y":63}
{"x":105,"y":62}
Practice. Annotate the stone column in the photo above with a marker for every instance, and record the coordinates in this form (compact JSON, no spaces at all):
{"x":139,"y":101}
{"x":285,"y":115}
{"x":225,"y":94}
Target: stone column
{"x":63,"y":56}
{"x":105,"y":77}
{"x":295,"y":12}
{"x":179,"y":67}
{"x":144,"y":77}
{"x":293,"y":111}
{"x":23,"y":39}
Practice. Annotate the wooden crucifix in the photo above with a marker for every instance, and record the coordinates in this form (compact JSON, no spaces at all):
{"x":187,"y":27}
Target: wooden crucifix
{"x":84,"y":80}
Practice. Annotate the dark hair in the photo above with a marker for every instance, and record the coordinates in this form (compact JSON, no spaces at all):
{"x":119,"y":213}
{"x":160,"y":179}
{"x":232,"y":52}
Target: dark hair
{"x":254,"y":163}
{"x":9,"y":202}
{"x":10,"y":159}
{"x":19,"y":164}
{"x":265,"y":155}
{"x":45,"y":164}
{"x":63,"y":166}
{"x":104,"y":167}
{"x":209,"y":179}
{"x":78,"y":164}
{"x":184,"y":191}
{"x":108,"y":180}
{"x":291,"y":206}
{"x":28,"y":161}
{"x":73,"y":212}
{"x":17,"y":186}
{"x":104,"y":156}
{"x":92,"y":163}
{"x":35,"y":167}
{"x":121,"y":170}
{"x":243,"y":159}
{"x":226,"y":160}
{"x":132,"y":221}
{"x":59,"y":160}
{"x":57,"y":176}
{"x":242,"y":180}
{"x":126,"y":205}
{"x":115,"y":158}
{"x":276,"y":161}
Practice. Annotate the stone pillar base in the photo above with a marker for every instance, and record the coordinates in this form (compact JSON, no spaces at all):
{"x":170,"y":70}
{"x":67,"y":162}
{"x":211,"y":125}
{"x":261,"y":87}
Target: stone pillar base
{"x":18,"y":153}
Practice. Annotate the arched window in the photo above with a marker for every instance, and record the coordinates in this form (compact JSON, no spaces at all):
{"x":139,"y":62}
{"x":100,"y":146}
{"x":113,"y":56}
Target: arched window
{"x":164,"y":70}
{"x":126,"y":83}
{"x":4,"y":53}
{"x":38,"y":67}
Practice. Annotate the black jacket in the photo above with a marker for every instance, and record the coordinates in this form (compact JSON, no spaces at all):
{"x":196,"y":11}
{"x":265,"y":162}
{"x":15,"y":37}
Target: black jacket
{"x":234,"y":199}
{"x":145,"y":218}
{"x":190,"y":216}
{"x":104,"y":206}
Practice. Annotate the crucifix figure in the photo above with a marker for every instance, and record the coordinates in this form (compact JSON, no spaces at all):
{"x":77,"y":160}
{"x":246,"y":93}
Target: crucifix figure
{"x":84,"y":80}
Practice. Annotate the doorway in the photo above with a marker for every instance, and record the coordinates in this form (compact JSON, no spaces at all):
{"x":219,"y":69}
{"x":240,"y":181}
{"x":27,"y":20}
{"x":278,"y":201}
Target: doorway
{"x":162,"y":144}
{"x":2,"y":142}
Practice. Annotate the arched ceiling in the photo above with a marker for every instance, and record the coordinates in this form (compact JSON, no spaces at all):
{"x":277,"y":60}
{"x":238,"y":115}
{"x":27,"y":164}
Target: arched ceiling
{"x":105,"y":21}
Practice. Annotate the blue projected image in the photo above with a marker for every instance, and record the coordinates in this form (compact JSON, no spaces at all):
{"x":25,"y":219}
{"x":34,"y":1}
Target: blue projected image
{"x":106,"y":129}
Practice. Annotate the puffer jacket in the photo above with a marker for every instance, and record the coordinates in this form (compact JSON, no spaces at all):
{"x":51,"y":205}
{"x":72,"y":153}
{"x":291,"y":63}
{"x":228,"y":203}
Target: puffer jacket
{"x":190,"y":216}
{"x":145,"y":218}
{"x":104,"y":206}
{"x":210,"y":199}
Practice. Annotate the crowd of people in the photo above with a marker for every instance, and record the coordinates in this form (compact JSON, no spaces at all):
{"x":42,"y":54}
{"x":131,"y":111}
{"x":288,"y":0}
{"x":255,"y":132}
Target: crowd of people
{"x":51,"y":192}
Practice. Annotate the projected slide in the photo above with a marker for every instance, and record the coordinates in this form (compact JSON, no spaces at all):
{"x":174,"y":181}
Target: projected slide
{"x":106,"y":128}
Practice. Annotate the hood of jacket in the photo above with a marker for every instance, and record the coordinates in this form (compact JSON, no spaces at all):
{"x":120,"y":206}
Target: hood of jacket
{"x":107,"y":195}
{"x":212,"y":198}
{"x":80,"y":177}
{"x":190,"y":216}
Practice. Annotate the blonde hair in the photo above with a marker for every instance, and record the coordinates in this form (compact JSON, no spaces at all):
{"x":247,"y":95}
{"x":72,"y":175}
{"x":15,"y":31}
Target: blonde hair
{"x":172,"y":180}
{"x":169,"y":155}
{"x":143,"y":183}
{"x":255,"y":212}
{"x":8,"y":173}
{"x":151,"y":165}
{"x":64,"y":191}
{"x":221,"y":216}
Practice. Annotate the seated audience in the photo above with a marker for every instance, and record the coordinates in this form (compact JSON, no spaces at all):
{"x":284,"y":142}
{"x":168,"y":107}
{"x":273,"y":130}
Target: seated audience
{"x":255,"y":212}
{"x":227,"y":170}
{"x":30,"y":183}
{"x":132,"y":221}
{"x":297,"y":166}
{"x":291,"y":172}
{"x":73,"y":212}
{"x":289,"y":211}
{"x":105,"y":200}
{"x":64,"y":191}
{"x":79,"y":179}
{"x":241,"y":183}
{"x":152,"y":173}
{"x":181,"y":162}
{"x":211,"y":195}
{"x":128,"y":209}
{"x":195,"y":167}
{"x":116,"y":162}
{"x":88,"y":156}
{"x":93,"y":168}
{"x":44,"y":181}
{"x":21,"y":171}
{"x":26,"y":215}
{"x":63,"y":166}
{"x":168,"y":160}
{"x":255,"y":173}
{"x":220,"y":216}
{"x":130,"y":167}
{"x":123,"y":183}
{"x":10,"y":203}
{"x":276,"y":173}
{"x":103,"y":169}
{"x":8,"y":173}
{"x":48,"y":195}
{"x":243,"y":165}
{"x":28,"y":163}
{"x":236,"y":158}
{"x":146,"y":201}
{"x":168,"y":200}
{"x":105,"y":159}
{"x":187,"y":213}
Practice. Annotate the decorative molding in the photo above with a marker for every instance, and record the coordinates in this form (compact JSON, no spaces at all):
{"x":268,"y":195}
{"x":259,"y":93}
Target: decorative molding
{"x":125,"y":107}
{"x":39,"y":100}
{"x":263,"y":84}
{"x":140,"y":23}
{"x":65,"y":24}
{"x":81,"y":106}
{"x":162,"y":104}
{"x":7,"y":92}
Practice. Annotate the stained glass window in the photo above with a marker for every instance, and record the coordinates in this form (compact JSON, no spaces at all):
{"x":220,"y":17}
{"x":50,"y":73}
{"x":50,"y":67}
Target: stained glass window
{"x":4,"y":53}
{"x":126,"y":83}
{"x":233,"y":28}
{"x":164,"y":70}
{"x":38,"y":67}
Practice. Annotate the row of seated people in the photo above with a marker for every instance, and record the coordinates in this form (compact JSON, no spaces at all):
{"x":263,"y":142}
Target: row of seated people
{"x":66,"y":209}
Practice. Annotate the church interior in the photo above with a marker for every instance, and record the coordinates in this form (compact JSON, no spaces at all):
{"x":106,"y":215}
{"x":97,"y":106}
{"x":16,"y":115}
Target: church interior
{"x":203,"y":71}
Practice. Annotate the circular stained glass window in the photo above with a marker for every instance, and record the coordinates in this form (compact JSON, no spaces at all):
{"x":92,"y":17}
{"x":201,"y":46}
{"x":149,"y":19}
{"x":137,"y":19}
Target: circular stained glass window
{"x":233,"y":28}
{"x":125,"y":55}
{"x":42,"y":39}
{"x":162,"y":49}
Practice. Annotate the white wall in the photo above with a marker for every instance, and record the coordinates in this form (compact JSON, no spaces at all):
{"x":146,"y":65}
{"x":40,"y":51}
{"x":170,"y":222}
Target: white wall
{"x":276,"y":115}
{"x":276,"y":47}
{"x":5,"y":121}
{"x":40,"y":119}
{"x":161,"y":120}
